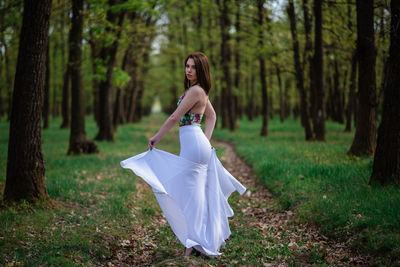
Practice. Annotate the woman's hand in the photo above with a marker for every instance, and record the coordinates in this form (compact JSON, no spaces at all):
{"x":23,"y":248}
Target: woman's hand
{"x":154,"y":141}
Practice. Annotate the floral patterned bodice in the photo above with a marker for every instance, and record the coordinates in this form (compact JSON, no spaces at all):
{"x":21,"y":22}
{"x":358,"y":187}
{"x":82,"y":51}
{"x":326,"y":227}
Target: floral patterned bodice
{"x":189,"y":118}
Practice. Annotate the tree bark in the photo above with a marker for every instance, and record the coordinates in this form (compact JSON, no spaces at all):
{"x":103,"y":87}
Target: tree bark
{"x":66,"y":78}
{"x":386,"y":167}
{"x":305,"y":117}
{"x":94,"y":55}
{"x":25,"y":163}
{"x":338,"y":94}
{"x":46,"y":91}
{"x":282,"y":107}
{"x":250,"y":102}
{"x":54,"y":105}
{"x":308,"y":60}
{"x":228,"y":104}
{"x":318,"y":65}
{"x":264,"y":127}
{"x":119,"y":112}
{"x":78,"y":144}
{"x":364,"y":141}
{"x":352,"y":92}
{"x":9,"y":80}
{"x":108,"y":55}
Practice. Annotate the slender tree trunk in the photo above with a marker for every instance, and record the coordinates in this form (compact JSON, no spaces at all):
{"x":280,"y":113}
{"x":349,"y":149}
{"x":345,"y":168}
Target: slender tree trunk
{"x":237,"y":109}
{"x":108,"y":54}
{"x":66,"y":78}
{"x":264,"y":127}
{"x":308,"y":58}
{"x":139,"y":110}
{"x":54,"y":106}
{"x":119,"y":113}
{"x":352,"y":92}
{"x":228,"y":105}
{"x":251,"y":100}
{"x":287,"y":86}
{"x":281,"y":101}
{"x":199,"y":24}
{"x":9,"y":82}
{"x":46,"y":91}
{"x":338,"y":94}
{"x":78,"y":144}
{"x":386,"y":167}
{"x":95,"y":54}
{"x":319,"y":122}
{"x":65,"y":99}
{"x":25,"y":163}
{"x":365,"y":137}
{"x":305,"y":117}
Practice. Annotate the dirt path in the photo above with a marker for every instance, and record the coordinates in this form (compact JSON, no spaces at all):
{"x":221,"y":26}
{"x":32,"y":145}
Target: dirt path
{"x":303,"y":242}
{"x":260,"y":207}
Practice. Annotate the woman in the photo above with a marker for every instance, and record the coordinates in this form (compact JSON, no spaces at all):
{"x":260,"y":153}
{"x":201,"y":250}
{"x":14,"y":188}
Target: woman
{"x":192,"y":188}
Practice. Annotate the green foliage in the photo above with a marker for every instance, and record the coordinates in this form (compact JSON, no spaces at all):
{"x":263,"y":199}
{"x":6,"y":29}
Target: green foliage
{"x":324,"y":185}
{"x":120,"y":77}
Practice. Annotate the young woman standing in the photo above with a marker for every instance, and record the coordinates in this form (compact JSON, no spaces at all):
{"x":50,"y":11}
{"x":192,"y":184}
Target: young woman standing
{"x":192,"y":188}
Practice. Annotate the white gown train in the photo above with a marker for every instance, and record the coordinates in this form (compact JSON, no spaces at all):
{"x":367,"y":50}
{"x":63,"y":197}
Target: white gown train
{"x":192,"y":189}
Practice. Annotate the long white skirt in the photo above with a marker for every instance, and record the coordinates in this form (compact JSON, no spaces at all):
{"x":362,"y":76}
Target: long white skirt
{"x":192,"y":189}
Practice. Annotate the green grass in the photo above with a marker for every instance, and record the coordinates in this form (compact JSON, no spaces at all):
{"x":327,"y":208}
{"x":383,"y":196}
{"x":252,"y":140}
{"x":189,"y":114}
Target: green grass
{"x":92,"y":196}
{"x":327,"y":187}
{"x":94,"y":207}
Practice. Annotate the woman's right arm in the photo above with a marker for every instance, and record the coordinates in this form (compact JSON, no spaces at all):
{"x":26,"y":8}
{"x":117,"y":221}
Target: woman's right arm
{"x":210,"y":120}
{"x":187,"y":103}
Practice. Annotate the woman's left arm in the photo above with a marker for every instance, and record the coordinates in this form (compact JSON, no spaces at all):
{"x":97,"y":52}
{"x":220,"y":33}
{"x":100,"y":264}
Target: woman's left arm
{"x":191,"y":97}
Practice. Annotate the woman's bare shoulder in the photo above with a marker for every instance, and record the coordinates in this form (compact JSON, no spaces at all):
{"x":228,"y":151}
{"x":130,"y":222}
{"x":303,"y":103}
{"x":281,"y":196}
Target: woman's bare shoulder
{"x":197,"y":90}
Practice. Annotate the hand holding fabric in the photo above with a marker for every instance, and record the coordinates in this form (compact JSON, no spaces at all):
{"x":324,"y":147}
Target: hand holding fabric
{"x":153,"y":141}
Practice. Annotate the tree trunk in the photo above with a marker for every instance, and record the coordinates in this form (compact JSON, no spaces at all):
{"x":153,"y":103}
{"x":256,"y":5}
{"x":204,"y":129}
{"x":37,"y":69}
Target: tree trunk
{"x":352,"y":92}
{"x":264,"y":127}
{"x":119,"y":113}
{"x":65,"y":99}
{"x":282,"y":107}
{"x":338,"y":94}
{"x":9,"y":80}
{"x":319,"y":120}
{"x":365,"y":137}
{"x":250,"y":103}
{"x":286,"y":98}
{"x":95,"y":54}
{"x":199,"y":23}
{"x":305,"y":117}
{"x":228,"y":105}
{"x":54,"y":106}
{"x":66,"y":78}
{"x":308,"y":58}
{"x":78,"y":144}
{"x":237,"y":109}
{"x":386,"y":167}
{"x":25,"y":163}
{"x":46,"y":91}
{"x":108,"y":54}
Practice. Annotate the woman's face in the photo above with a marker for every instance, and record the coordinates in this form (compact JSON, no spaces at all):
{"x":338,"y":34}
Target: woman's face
{"x":190,"y":70}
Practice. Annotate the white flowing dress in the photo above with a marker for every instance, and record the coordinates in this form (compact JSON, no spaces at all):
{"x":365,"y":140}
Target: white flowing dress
{"x":192,"y":189}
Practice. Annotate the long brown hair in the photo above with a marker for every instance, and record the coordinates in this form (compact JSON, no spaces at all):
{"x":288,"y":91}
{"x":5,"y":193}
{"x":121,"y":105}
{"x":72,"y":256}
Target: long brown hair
{"x":202,"y":71}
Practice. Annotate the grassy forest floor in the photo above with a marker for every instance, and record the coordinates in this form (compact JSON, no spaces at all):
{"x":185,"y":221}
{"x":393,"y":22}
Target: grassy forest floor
{"x":104,"y":215}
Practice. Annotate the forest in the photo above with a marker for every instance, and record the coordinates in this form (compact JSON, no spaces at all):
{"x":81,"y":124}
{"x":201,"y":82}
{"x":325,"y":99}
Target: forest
{"x":307,"y":92}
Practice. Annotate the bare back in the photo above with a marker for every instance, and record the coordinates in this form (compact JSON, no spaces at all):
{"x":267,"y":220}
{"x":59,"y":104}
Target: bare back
{"x":200,"y":106}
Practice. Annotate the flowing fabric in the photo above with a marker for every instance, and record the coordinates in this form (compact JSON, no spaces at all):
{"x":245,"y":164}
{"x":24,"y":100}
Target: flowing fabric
{"x":192,"y":189}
